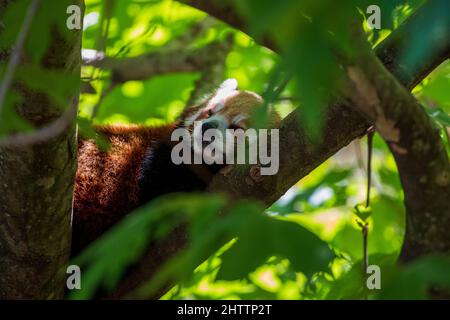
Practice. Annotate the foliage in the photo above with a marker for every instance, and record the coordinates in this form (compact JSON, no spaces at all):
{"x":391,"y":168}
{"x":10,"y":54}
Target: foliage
{"x":308,"y":244}
{"x":207,"y":221}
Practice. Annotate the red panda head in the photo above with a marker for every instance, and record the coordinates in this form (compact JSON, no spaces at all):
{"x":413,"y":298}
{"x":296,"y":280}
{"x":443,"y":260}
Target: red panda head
{"x":227,"y":108}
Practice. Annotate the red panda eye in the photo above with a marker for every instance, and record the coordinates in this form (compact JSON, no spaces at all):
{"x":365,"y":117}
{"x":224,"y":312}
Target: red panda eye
{"x":234,"y":126}
{"x":210,"y":112}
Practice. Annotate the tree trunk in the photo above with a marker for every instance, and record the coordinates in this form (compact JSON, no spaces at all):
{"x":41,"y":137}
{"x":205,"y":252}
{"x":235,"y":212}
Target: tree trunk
{"x":36,"y":183}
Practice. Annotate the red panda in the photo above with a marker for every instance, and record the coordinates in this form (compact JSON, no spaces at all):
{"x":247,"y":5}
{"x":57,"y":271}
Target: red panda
{"x":138,"y":167}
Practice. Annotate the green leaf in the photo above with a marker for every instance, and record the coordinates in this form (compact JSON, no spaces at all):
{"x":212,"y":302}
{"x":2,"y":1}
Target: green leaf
{"x":434,"y":27}
{"x":105,"y":260}
{"x":352,"y":284}
{"x":49,"y":20}
{"x":260,"y":237}
{"x":440,"y":116}
{"x":138,"y":101}
{"x":87,"y":131}
{"x":414,"y":280}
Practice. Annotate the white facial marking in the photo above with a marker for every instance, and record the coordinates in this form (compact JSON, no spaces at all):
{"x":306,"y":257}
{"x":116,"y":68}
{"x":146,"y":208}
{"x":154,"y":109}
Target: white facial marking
{"x":220,"y":99}
{"x":229,"y":85}
{"x":227,"y":89}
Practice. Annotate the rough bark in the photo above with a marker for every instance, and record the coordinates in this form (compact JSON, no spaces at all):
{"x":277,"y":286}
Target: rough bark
{"x":36,"y":183}
{"x":298,"y":154}
{"x":418,"y":149}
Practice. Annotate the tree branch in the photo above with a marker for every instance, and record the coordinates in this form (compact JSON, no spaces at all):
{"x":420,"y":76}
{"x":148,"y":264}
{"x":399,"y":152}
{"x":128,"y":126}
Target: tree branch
{"x":149,"y":65}
{"x":177,"y":56}
{"x":420,"y":155}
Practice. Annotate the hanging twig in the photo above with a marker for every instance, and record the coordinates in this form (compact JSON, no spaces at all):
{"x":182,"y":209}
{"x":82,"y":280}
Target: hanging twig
{"x":370,"y":133}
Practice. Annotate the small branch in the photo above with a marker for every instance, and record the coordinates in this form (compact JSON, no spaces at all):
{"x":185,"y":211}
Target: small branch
{"x":176,"y":56}
{"x":369,"y":164}
{"x":17,"y":52}
{"x":365,"y":232}
{"x":150,"y":65}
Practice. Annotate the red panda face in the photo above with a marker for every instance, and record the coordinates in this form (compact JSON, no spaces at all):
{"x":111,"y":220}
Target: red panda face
{"x":227,"y":108}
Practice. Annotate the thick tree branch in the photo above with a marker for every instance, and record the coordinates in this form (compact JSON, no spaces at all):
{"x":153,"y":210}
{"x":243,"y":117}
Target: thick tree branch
{"x":219,"y":9}
{"x":36,"y":184}
{"x":414,"y":140}
{"x":299,"y":155}
{"x":420,"y":155}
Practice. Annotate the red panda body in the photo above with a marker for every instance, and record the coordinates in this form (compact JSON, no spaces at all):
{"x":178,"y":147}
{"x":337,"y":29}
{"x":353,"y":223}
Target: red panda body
{"x":138,"y":167}
{"x":106,"y":186}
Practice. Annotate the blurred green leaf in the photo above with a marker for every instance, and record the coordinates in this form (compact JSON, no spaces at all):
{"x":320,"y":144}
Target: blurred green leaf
{"x":105,"y":260}
{"x":434,"y":27}
{"x":415,"y":280}
{"x":138,"y":101}
{"x":440,"y":116}
{"x":306,"y":252}
{"x":50,"y":18}
{"x":352,"y":285}
{"x":86,"y":130}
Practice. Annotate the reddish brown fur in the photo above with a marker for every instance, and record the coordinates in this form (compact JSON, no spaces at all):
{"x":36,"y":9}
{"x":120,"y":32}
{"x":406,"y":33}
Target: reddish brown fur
{"x":106,"y":181}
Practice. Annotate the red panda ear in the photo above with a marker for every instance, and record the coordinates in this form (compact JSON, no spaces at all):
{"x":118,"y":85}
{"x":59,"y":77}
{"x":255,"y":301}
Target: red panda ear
{"x":227,"y":86}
